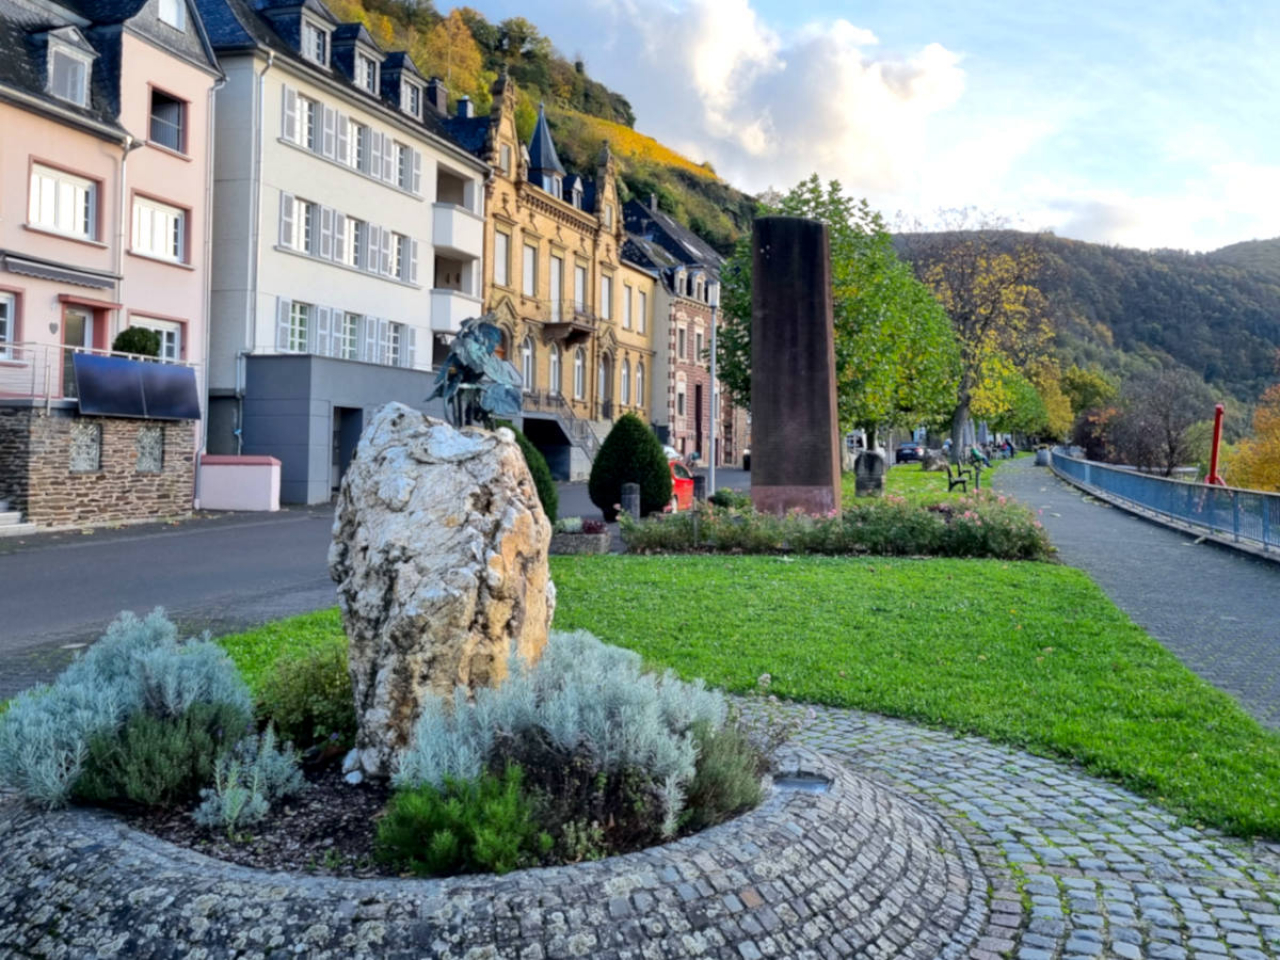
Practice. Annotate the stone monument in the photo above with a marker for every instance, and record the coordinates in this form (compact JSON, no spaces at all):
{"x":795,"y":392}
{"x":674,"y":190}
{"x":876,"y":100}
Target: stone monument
{"x":795,"y":455}
{"x":868,"y":473}
{"x":440,"y":555}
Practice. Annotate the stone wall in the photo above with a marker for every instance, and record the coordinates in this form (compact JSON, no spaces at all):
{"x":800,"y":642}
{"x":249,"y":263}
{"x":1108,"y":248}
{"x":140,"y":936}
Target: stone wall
{"x":62,"y":469}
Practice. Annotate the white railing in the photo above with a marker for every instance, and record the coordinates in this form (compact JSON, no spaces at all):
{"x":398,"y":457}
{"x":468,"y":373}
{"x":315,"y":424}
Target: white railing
{"x":42,"y":371}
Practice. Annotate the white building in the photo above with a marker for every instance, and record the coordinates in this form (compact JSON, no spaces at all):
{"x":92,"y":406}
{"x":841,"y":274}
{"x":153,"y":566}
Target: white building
{"x":347,"y":239}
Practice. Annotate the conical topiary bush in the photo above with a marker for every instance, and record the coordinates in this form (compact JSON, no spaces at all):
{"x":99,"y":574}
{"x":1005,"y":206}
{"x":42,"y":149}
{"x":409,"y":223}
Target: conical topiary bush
{"x":630,"y":454}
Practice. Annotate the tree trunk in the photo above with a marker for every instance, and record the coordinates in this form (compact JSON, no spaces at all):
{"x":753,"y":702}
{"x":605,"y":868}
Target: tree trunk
{"x":871,"y":435}
{"x":959,"y":427}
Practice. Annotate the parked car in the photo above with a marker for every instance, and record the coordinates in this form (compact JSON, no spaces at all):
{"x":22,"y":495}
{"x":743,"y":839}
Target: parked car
{"x":681,"y":488}
{"x":909,"y":453}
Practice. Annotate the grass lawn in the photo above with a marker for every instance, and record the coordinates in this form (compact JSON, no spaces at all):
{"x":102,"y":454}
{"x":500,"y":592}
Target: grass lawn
{"x":909,"y":481}
{"x":1030,"y":654}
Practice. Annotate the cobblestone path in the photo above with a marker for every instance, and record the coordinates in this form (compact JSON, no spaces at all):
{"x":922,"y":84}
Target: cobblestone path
{"x":1078,"y":867}
{"x":1217,"y":610}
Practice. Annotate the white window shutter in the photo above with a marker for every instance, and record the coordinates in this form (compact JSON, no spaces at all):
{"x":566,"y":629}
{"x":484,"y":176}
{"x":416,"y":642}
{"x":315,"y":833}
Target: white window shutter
{"x":324,"y":321}
{"x":386,"y":253}
{"x":369,"y":327}
{"x":339,"y":236}
{"x":384,"y":340}
{"x":330,"y":131}
{"x":413,"y":261}
{"x":283,"y":308}
{"x":326,"y":233}
{"x":372,"y":249}
{"x":417,"y":172}
{"x":410,"y":347}
{"x":389,"y":172}
{"x":375,"y":153}
{"x":289,"y":113}
{"x":342,"y":148}
{"x":286,"y":220}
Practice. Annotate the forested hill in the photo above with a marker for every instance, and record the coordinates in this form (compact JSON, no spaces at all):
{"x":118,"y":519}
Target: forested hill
{"x":1216,"y":313}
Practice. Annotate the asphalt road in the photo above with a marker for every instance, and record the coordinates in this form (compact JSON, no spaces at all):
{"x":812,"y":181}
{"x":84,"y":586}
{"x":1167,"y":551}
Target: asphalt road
{"x":220,"y":573}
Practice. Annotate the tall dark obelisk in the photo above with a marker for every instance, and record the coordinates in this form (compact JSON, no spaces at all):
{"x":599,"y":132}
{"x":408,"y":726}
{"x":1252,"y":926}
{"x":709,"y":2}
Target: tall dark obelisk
{"x":795,"y":449}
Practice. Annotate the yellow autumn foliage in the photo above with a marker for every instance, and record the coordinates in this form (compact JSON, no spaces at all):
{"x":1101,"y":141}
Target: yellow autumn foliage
{"x":623,"y":141}
{"x":1255,"y":463}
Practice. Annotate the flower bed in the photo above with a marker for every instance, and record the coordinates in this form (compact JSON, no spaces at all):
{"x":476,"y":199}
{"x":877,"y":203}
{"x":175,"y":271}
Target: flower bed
{"x":574,"y":535}
{"x":982,"y":524}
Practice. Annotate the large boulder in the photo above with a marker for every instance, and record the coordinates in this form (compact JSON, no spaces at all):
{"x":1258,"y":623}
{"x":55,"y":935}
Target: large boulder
{"x":440,"y":555}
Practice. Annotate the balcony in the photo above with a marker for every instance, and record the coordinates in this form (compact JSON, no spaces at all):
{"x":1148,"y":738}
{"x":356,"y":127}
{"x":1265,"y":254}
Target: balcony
{"x":45,"y":373}
{"x":450,"y":307}
{"x":457,"y":231}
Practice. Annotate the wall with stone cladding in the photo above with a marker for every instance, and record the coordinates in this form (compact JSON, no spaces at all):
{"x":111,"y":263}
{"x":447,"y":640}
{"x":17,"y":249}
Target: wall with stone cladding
{"x":15,"y":432}
{"x":120,"y":488}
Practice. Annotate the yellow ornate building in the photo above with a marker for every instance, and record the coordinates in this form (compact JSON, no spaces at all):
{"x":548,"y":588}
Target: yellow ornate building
{"x":577,"y":319}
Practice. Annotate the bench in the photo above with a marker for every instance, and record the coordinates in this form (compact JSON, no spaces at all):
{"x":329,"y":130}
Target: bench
{"x":957,"y":479}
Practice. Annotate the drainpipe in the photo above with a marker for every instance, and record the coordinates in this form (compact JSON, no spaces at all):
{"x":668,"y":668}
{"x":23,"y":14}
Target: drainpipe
{"x":123,"y":217}
{"x":203,"y":445}
{"x":251,"y":307}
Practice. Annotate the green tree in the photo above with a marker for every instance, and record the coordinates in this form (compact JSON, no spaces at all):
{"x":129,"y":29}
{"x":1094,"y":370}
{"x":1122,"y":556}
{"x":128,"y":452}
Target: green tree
{"x":630,"y":453}
{"x":1088,"y":389}
{"x":896,"y":359}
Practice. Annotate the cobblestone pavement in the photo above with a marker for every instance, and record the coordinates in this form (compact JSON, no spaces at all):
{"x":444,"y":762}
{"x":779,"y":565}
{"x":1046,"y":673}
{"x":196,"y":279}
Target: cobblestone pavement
{"x":1078,"y":867}
{"x":1216,"y":609}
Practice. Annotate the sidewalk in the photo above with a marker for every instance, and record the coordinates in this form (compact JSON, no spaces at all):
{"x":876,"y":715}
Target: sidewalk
{"x":1216,"y":609}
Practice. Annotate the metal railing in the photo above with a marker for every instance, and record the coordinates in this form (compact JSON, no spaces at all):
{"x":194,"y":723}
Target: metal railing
{"x":1248,"y":517}
{"x":43,"y":372}
{"x":580,"y":432}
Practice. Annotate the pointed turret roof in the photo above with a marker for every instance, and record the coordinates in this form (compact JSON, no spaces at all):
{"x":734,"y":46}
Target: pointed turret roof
{"x":542,"y":151}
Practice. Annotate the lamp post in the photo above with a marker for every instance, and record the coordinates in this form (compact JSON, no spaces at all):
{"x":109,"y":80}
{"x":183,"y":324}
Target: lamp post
{"x":713,"y":298}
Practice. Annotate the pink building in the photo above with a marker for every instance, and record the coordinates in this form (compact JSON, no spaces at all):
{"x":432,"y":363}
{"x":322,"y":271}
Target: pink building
{"x":105,"y":112}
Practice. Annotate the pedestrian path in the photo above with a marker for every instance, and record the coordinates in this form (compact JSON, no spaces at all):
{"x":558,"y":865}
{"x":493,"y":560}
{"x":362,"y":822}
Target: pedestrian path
{"x":1217,"y":610}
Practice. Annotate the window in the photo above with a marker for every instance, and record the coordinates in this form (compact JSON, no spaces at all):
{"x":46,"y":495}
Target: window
{"x":308,"y":129}
{"x":168,"y":121}
{"x":644,"y":311}
{"x":577,"y":194}
{"x":504,"y":160}
{"x":367,"y":73}
{"x":626,"y":306}
{"x":555,"y":371}
{"x":404,"y":258}
{"x":639,"y":383}
{"x":606,"y":297}
{"x":404,"y":167}
{"x":680,"y":343}
{"x":680,"y":400}
{"x":352,"y":238}
{"x":159,"y":230}
{"x":580,"y":287}
{"x":347,"y":337}
{"x":697,"y":339}
{"x":358,"y":145}
{"x":411,"y":99}
{"x":299,"y":320}
{"x":391,"y":348}
{"x":602,"y":378}
{"x":174,"y":13}
{"x":8,"y":324}
{"x":63,"y":202}
{"x":305,"y":236}
{"x":626,"y":381}
{"x":68,"y":75}
{"x":501,"y":259}
{"x":315,"y":43}
{"x":579,"y":374}
{"x":557,"y":293}
{"x":526,"y":363}
{"x":170,"y":333}
{"x":530,"y":282}
{"x":608,"y":216}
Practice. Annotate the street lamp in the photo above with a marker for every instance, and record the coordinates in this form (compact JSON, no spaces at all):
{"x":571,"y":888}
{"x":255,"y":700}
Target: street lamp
{"x":713,"y":298}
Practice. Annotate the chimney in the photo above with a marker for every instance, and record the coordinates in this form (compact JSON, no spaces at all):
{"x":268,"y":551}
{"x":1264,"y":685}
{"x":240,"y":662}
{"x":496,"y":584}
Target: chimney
{"x":466,"y":109}
{"x":438,"y":96}
{"x":653,"y":202}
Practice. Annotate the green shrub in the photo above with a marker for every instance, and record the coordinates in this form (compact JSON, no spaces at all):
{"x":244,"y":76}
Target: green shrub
{"x":307,"y":696}
{"x":485,"y":825}
{"x":728,"y":777}
{"x":137,"y":340}
{"x":730,"y":498}
{"x":631,"y":453}
{"x":247,"y":780}
{"x":160,"y":761}
{"x":548,"y":493}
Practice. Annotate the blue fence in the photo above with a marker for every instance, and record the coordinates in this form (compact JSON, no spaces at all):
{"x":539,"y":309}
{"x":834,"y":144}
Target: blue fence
{"x":1243,"y":516}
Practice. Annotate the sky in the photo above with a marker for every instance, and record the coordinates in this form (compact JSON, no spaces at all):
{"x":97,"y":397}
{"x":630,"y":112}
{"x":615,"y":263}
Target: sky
{"x":1130,"y":122}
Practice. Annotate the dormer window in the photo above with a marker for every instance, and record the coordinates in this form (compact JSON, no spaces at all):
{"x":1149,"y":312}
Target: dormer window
{"x":577,"y":194}
{"x":367,"y":73}
{"x":174,"y":13}
{"x":69,"y":74}
{"x":411,"y":99}
{"x":554,"y":186}
{"x":315,"y":43}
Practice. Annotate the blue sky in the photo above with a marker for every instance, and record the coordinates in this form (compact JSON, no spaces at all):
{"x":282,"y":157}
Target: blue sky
{"x":1145,"y":124}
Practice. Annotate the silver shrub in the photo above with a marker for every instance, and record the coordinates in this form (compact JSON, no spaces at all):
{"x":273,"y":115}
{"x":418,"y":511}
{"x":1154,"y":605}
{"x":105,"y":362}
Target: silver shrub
{"x":247,"y":780}
{"x":581,"y":693}
{"x":138,"y":664}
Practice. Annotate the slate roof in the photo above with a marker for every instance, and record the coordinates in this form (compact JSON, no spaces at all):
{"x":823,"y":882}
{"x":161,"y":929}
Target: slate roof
{"x":542,"y":150}
{"x":469,"y":132}
{"x":679,"y":244}
{"x":235,"y":25}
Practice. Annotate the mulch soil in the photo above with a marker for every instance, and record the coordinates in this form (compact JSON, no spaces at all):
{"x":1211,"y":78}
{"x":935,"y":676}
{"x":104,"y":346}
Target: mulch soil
{"x":327,"y":829}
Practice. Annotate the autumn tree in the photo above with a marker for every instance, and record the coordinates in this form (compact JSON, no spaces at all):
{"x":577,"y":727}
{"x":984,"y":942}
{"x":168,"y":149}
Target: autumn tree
{"x":1088,"y":389}
{"x":1157,"y":411}
{"x":896,"y":360}
{"x":1255,"y":461}
{"x":450,"y":52}
{"x":987,"y":285}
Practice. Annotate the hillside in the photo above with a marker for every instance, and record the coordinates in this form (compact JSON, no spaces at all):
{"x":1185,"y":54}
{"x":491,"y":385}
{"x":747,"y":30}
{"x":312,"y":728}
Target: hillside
{"x":1216,"y":313}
